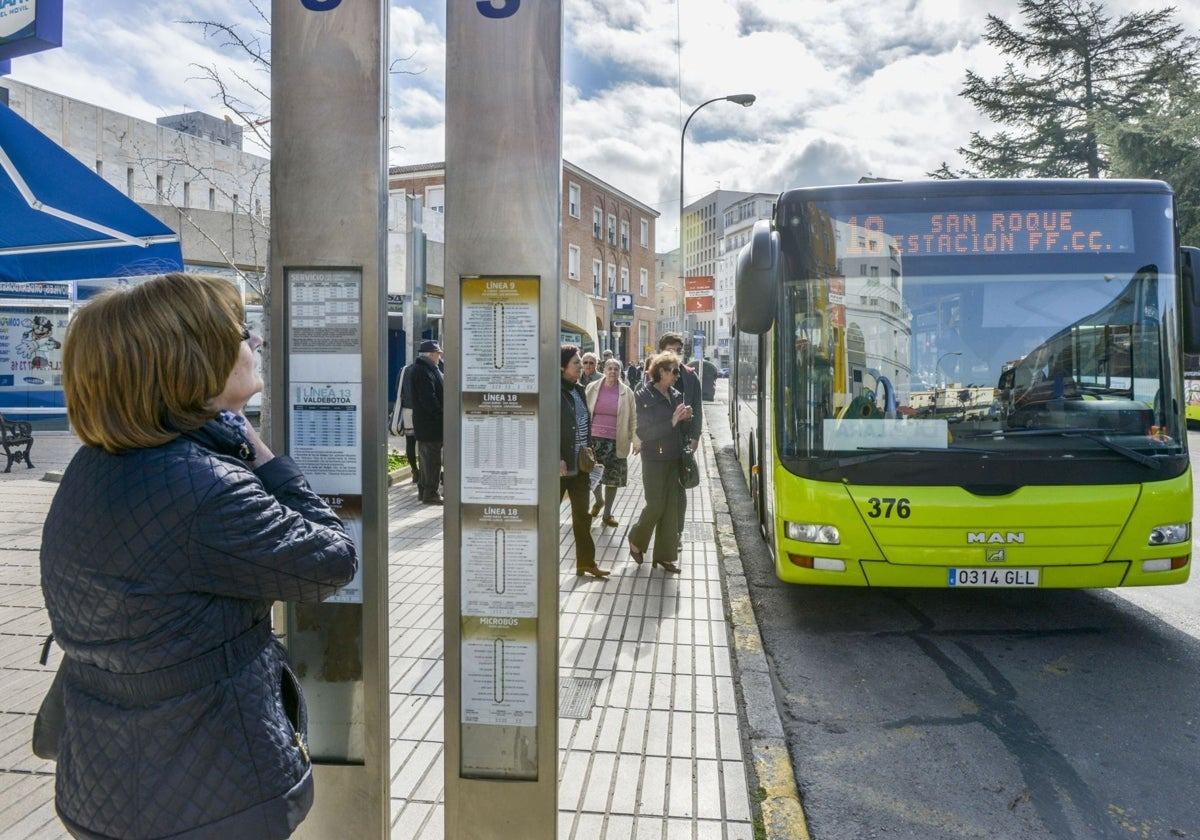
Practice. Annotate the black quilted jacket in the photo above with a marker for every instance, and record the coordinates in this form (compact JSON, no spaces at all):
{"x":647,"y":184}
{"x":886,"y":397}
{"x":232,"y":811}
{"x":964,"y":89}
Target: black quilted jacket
{"x":153,"y":558}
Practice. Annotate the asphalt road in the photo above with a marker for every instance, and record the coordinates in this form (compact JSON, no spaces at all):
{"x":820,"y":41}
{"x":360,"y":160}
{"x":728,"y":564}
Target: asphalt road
{"x":1004,"y":715}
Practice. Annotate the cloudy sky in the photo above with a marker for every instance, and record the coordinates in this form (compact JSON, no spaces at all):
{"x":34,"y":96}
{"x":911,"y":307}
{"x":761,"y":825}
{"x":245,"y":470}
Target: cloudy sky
{"x":844,"y":88}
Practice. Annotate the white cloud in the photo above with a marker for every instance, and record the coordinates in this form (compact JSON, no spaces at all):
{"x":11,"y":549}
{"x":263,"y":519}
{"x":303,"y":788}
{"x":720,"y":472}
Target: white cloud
{"x":842,"y":86}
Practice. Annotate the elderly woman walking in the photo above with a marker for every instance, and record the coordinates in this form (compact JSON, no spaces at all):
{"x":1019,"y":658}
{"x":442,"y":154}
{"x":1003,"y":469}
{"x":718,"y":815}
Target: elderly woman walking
{"x":173,"y":531}
{"x":614,"y":434}
{"x":662,"y":416}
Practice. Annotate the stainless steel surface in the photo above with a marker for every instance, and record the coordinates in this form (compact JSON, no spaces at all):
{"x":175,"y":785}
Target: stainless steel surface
{"x":503,"y":185}
{"x":415,"y":255}
{"x":328,"y":185}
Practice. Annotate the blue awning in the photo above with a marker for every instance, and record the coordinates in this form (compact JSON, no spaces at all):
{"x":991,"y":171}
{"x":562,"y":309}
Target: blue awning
{"x":59,"y":220}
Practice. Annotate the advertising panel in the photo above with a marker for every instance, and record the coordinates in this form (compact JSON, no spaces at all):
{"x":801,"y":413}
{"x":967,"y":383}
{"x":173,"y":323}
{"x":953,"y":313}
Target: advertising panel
{"x":699,"y":294}
{"x":31,"y":348}
{"x":29,"y":26}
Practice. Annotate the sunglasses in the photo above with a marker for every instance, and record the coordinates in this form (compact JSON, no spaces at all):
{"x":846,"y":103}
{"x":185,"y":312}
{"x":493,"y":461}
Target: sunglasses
{"x":245,"y":332}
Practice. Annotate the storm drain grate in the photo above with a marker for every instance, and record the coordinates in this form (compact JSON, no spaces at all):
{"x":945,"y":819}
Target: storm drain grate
{"x":577,"y":696}
{"x":698,"y":532}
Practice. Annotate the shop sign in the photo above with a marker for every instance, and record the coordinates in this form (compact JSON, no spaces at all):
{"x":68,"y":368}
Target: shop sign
{"x":29,"y":26}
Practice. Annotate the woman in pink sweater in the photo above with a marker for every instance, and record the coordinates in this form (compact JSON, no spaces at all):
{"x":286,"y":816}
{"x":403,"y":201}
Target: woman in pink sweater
{"x":614,"y":433}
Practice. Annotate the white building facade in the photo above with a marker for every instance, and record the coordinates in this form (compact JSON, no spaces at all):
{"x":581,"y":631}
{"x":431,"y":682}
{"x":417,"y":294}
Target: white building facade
{"x":700,"y":251}
{"x":737,"y":225}
{"x":203,"y":186}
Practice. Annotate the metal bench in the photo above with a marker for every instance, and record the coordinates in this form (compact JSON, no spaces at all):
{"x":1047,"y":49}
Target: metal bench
{"x":17,"y":440}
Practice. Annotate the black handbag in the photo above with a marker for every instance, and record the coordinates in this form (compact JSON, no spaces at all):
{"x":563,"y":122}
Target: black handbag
{"x":689,"y":470}
{"x":48,"y":725}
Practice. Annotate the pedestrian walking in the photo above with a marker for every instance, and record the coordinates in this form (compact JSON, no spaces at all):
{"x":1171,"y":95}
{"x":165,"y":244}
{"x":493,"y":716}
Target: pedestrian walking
{"x":633,"y":374}
{"x":662,"y":418}
{"x":590,"y":374}
{"x":402,"y":420}
{"x":575,"y":429}
{"x":427,"y":388}
{"x":614,"y":434}
{"x":173,"y":531}
{"x":688,"y":384}
{"x":708,"y":380}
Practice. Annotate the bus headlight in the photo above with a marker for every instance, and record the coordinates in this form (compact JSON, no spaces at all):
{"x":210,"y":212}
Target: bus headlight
{"x":806,"y":532}
{"x":1170,"y":534}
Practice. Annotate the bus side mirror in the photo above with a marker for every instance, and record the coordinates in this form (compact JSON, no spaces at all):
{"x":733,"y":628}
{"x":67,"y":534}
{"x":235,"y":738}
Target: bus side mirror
{"x":759,"y":278}
{"x":1190,"y":303}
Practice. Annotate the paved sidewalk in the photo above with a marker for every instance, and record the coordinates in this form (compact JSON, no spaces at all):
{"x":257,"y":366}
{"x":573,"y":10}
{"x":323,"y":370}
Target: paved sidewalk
{"x":658,"y":756}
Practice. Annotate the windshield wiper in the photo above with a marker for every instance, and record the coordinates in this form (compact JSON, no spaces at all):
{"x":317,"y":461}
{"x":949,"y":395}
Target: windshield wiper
{"x":1099,"y":436}
{"x":879,"y":452}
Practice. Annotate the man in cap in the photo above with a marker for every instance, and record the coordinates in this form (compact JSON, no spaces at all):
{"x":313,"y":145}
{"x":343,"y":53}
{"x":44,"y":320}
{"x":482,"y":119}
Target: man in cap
{"x":427,"y":387}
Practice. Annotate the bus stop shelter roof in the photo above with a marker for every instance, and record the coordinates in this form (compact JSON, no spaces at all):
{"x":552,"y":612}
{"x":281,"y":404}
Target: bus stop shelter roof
{"x":59,"y":220}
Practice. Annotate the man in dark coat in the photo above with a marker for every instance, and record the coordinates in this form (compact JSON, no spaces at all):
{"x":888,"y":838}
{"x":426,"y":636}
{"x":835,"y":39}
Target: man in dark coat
{"x":633,"y":374}
{"x":689,"y":385}
{"x":402,"y":422}
{"x":427,"y":387}
{"x":708,"y":379}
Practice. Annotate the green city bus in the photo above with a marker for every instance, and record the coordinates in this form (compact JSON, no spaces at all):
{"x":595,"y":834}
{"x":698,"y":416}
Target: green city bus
{"x":968,"y":383}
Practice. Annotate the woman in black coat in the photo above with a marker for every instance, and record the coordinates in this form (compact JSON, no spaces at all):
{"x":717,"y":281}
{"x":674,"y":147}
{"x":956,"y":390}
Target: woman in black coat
{"x":575,"y":432}
{"x":660,"y":412}
{"x":173,"y":531}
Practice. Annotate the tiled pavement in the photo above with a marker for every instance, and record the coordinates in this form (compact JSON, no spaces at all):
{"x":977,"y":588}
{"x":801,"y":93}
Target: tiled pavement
{"x":659,"y":757}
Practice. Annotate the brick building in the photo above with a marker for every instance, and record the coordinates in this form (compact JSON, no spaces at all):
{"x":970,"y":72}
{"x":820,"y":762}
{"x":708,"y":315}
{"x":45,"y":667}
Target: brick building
{"x":607,"y":247}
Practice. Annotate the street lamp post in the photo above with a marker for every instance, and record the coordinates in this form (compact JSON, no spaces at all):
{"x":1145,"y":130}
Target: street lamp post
{"x":937,"y":366}
{"x":743,"y":99}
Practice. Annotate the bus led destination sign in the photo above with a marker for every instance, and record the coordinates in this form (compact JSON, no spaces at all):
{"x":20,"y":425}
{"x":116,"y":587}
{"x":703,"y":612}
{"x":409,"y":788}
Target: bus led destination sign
{"x":1007,"y":232}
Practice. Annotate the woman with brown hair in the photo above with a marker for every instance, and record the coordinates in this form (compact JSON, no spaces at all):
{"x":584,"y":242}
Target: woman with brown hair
{"x":660,"y":411}
{"x":173,"y":531}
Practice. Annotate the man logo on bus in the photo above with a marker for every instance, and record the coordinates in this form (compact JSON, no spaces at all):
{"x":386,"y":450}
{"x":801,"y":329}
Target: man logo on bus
{"x":995,"y":555}
{"x":995,"y":537}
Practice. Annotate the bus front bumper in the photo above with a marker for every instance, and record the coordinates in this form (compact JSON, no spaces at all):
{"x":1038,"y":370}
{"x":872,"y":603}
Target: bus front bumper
{"x":881,"y":573}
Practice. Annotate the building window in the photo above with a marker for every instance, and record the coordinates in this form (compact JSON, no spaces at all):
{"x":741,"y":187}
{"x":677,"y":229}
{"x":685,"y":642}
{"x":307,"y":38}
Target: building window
{"x":644,"y":277}
{"x":625,"y":234}
{"x":212,"y":199}
{"x":100,"y":168}
{"x":187,"y":194}
{"x":573,"y":200}
{"x":235,"y":203}
{"x":612,"y":278}
{"x":158,"y":185}
{"x":597,"y":222}
{"x":643,"y":338}
{"x":645,"y":234}
{"x":573,"y":262}
{"x":612,"y":229}
{"x":129,"y":182}
{"x":435,"y":199}
{"x":597,"y":270}
{"x":624,"y":279}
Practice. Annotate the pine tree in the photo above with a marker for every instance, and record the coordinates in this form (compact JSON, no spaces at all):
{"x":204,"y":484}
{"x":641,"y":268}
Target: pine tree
{"x":1070,"y":64}
{"x":1164,"y":144}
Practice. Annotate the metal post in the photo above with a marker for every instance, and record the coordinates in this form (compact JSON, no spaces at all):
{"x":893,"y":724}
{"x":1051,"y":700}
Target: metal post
{"x":329,"y":363}
{"x":501,"y":328}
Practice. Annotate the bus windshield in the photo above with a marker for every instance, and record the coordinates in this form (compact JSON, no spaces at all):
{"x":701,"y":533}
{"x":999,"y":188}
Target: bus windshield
{"x":983,"y":327}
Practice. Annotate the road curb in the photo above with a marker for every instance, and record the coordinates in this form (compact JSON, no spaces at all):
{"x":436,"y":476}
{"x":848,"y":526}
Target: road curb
{"x":773,"y":777}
